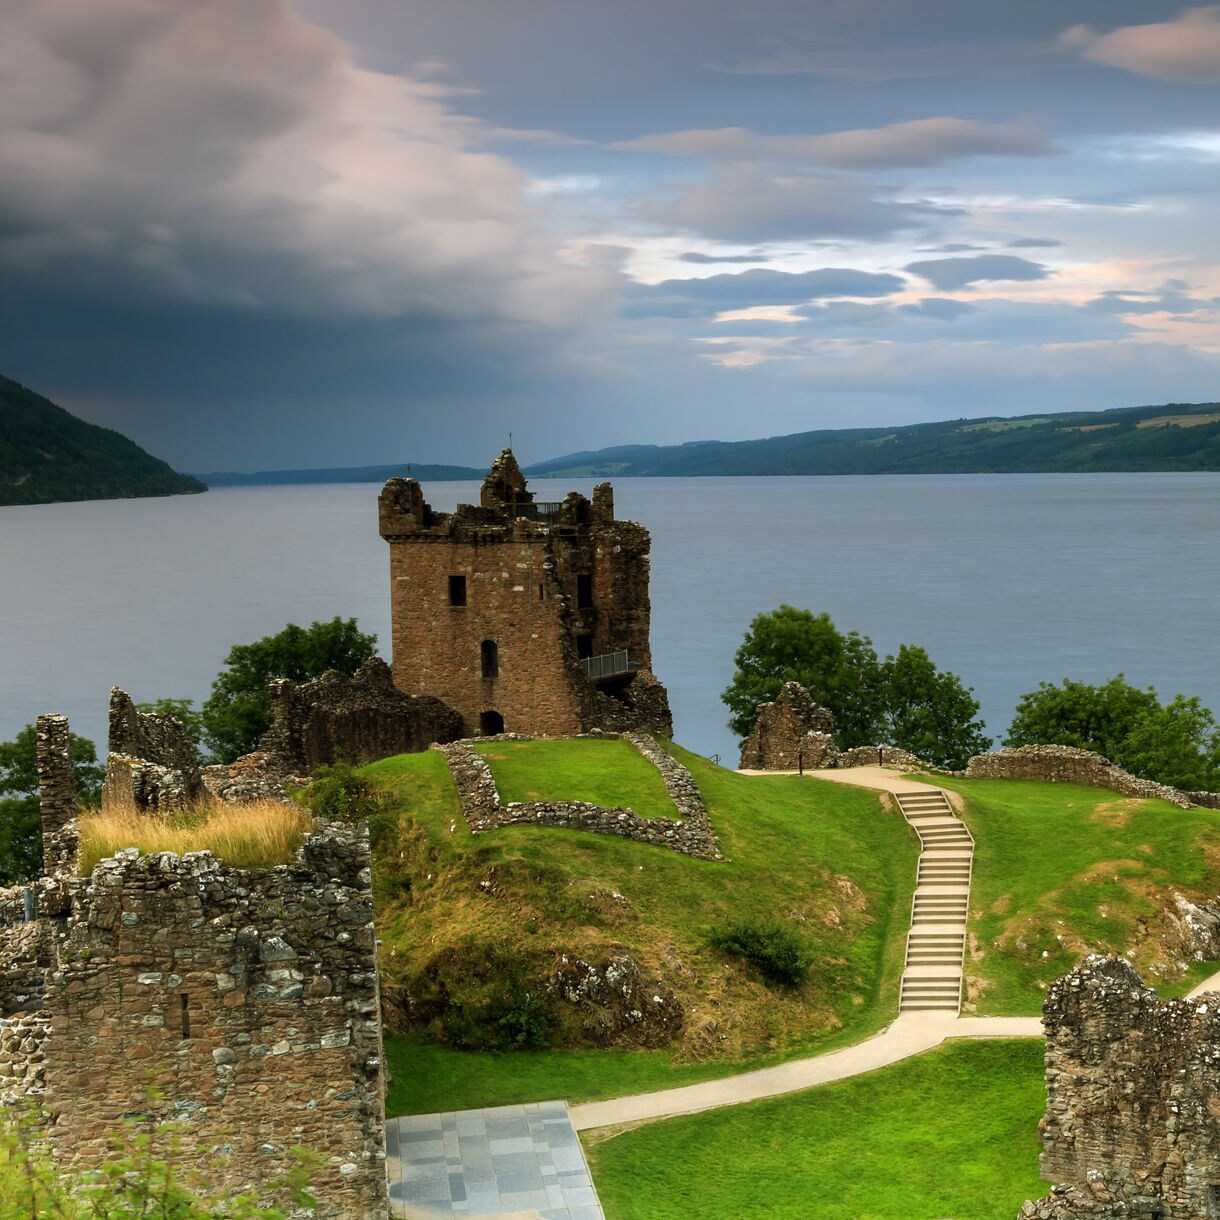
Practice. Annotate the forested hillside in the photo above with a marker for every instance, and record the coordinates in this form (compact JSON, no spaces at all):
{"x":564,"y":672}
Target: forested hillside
{"x":1172,"y":437}
{"x":48,"y":454}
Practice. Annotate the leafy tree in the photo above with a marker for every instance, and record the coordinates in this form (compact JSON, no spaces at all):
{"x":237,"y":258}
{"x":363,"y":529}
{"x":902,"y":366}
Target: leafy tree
{"x":791,"y":645}
{"x":1176,"y":743}
{"x":929,"y":712}
{"x":903,"y":700}
{"x":238,"y":711}
{"x":20,"y":816}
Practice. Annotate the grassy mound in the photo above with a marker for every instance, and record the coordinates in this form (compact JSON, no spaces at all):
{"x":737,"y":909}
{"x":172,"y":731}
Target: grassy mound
{"x":1061,"y":870}
{"x":950,"y":1133}
{"x":473,"y":927}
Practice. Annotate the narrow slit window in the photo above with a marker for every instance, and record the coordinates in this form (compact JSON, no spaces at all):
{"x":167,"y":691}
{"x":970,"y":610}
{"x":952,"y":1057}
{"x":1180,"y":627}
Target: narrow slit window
{"x":184,"y":1006}
{"x":584,"y":590}
{"x":491,"y":659}
{"x":457,"y":590}
{"x":542,"y":593}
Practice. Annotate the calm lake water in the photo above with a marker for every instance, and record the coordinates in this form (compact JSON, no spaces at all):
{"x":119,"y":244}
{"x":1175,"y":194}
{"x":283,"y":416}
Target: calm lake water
{"x":1007,"y":580}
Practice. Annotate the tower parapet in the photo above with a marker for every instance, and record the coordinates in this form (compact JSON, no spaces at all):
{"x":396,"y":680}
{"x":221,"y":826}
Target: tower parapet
{"x":526,"y":616}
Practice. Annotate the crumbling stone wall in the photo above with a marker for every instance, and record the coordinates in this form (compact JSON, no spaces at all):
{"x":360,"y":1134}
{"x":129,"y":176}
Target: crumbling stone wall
{"x":355,"y":720}
{"x":495,"y":605}
{"x":57,"y":788}
{"x":1132,"y":1127}
{"x":1067,"y":765}
{"x":151,"y":763}
{"x":248,"y":1000}
{"x":794,"y":732}
{"x":483,"y":810}
{"x":791,"y":732}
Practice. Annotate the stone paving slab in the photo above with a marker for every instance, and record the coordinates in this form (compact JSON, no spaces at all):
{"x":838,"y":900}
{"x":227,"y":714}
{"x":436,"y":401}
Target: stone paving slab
{"x":522,"y":1161}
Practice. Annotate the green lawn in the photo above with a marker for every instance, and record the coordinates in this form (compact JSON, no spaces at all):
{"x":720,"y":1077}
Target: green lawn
{"x":952,"y":1133}
{"x":1065,"y":869}
{"x":467,"y":921}
{"x":601,"y":770}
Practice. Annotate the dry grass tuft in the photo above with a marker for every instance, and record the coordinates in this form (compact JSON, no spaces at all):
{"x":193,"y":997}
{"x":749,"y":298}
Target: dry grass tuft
{"x":261,"y":834}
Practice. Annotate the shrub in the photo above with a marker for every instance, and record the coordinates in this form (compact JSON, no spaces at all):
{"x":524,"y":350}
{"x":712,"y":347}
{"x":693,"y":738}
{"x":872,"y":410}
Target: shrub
{"x":777,"y":951}
{"x":340,"y":793}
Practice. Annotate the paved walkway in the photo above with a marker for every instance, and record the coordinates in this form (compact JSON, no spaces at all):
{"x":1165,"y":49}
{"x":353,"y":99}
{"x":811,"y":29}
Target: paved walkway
{"x":505,"y":1161}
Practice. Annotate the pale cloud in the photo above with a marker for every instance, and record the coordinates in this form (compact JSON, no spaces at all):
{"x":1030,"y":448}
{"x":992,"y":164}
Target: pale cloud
{"x":747,"y":203}
{"x":1185,"y":49}
{"x":917,"y":143}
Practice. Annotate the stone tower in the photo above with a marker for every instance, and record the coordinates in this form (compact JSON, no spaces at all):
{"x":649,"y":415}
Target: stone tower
{"x":524,"y":616}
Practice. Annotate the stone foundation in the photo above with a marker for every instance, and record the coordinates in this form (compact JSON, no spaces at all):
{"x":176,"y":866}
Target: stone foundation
{"x":1068,"y":765}
{"x":693,"y":835}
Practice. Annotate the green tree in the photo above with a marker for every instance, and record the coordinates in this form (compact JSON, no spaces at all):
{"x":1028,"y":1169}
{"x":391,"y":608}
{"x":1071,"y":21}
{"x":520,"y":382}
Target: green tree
{"x":903,"y":700}
{"x":238,"y":711}
{"x":791,"y":645}
{"x":20,"y":817}
{"x":1176,"y":743}
{"x":929,"y":712}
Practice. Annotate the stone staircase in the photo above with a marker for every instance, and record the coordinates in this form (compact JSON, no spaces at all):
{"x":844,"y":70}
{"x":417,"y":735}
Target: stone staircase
{"x":932,"y":977}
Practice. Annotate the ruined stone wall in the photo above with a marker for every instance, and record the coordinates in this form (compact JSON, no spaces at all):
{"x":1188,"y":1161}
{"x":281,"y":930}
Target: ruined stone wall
{"x":57,"y":788}
{"x":790,"y":732}
{"x":154,"y":737}
{"x":690,"y":833}
{"x":248,"y":1002}
{"x":355,"y":720}
{"x":1067,"y":765}
{"x":1131,"y":1125}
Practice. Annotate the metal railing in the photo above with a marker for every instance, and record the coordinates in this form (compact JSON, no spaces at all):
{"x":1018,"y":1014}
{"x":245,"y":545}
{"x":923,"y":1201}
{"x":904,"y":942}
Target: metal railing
{"x":608,"y":665}
{"x":538,"y":510}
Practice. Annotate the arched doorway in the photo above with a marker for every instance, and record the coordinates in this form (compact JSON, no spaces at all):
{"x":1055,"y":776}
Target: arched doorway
{"x":490,"y":723}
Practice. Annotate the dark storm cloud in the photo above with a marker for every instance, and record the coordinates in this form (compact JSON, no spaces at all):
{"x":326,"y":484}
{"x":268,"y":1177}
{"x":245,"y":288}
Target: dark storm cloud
{"x":950,"y":273}
{"x":141,"y":173}
{"x":688,"y":298}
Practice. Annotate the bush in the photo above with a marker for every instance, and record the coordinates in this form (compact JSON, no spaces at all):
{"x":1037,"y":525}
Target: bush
{"x":777,"y":951}
{"x":339,"y":793}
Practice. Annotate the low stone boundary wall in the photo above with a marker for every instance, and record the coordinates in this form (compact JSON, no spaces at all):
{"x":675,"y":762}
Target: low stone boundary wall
{"x":1068,"y":765}
{"x":692,"y":835}
{"x":881,"y":756}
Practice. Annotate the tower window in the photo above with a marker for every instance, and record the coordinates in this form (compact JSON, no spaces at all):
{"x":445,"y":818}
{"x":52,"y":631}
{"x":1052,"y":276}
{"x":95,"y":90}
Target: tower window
{"x":490,"y":652}
{"x":584,"y":590}
{"x":584,"y":646}
{"x":184,"y":1008}
{"x":457,"y":590}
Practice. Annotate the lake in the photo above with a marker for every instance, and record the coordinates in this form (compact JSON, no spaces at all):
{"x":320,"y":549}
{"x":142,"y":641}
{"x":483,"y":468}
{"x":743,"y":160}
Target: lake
{"x":1007,"y":580}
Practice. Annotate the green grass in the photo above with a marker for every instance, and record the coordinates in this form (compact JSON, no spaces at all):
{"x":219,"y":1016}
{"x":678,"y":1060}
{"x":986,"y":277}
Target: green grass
{"x":464,"y":918}
{"x":598,"y":770}
{"x":952,"y":1133}
{"x":1061,"y":870}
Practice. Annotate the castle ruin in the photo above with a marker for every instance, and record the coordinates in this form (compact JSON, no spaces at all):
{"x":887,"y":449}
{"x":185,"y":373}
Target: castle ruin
{"x":524,"y":616}
{"x":239,"y":1006}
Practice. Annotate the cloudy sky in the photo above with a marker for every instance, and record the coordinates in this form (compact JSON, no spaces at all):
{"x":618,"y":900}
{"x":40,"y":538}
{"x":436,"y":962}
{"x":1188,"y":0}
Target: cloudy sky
{"x":272,"y":233}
